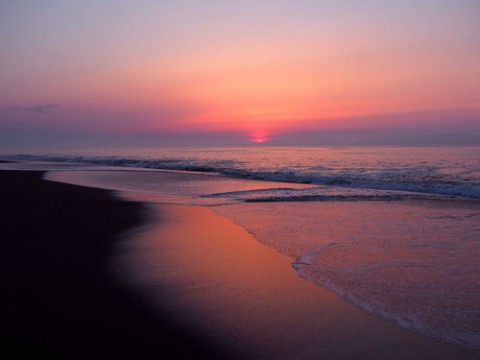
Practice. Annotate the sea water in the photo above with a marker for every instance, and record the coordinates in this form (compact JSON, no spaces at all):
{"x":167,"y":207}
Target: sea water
{"x":394,"y":230}
{"x":414,"y":262}
{"x":433,"y":170}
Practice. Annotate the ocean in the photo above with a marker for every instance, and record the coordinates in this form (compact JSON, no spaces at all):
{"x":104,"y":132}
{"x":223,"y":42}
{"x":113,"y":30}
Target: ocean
{"x":443,"y":170}
{"x":393,"y":230}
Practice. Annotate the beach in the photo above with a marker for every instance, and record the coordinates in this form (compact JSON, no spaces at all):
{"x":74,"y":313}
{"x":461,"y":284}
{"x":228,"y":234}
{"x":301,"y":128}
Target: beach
{"x":90,"y":273}
{"x":258,"y":180}
{"x":59,"y":298}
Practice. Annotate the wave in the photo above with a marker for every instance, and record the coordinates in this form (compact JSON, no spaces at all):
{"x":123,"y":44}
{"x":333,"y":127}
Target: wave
{"x":413,"y":264}
{"x":319,"y":193}
{"x":378,"y":304}
{"x":423,"y":180}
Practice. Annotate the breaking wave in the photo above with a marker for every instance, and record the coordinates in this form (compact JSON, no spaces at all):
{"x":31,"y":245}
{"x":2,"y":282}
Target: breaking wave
{"x":424,"y":178}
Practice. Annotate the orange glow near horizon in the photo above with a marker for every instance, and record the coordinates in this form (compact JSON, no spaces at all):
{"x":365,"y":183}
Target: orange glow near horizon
{"x":259,"y":84}
{"x":245,"y":68}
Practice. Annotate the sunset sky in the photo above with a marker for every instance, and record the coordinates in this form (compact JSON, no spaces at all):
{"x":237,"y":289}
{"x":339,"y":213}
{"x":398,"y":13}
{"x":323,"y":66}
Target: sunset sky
{"x":218,"y":72}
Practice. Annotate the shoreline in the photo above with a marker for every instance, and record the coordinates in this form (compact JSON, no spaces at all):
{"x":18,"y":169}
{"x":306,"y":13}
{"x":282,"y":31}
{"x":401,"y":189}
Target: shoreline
{"x":194,"y":329}
{"x":233,"y":287}
{"x":58,"y":296}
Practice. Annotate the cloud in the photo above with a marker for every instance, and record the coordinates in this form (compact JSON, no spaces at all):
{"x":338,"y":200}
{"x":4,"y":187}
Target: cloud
{"x":41,"y":109}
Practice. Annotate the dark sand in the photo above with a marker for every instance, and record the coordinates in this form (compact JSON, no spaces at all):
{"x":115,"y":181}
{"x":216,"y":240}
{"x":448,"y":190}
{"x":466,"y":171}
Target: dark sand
{"x":58,"y":298}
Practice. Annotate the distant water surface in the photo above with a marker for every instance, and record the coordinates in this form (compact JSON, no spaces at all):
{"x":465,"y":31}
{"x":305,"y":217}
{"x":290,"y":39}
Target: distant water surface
{"x":433,"y":170}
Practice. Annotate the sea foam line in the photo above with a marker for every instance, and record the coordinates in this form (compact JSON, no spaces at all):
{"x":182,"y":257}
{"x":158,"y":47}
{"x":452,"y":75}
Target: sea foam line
{"x":408,"y":180}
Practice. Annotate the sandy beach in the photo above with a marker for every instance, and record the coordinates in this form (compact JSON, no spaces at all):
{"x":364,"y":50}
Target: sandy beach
{"x":89,"y":275}
{"x":59,"y":298}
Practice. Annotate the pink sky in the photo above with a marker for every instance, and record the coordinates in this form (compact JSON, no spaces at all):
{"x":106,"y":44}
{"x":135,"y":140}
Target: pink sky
{"x":221,"y":73}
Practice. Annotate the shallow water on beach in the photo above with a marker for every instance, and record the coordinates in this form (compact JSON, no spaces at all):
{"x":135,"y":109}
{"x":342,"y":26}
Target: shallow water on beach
{"x":405,"y":249}
{"x":412,"y":262}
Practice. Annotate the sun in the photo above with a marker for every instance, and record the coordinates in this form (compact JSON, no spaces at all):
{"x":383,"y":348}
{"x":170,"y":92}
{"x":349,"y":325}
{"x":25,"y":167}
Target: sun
{"x":258,"y":137}
{"x":259,"y":140}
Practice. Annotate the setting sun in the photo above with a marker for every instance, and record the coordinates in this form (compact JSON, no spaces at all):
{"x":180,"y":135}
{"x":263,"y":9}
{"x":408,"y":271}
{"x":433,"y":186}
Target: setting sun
{"x":258,"y":137}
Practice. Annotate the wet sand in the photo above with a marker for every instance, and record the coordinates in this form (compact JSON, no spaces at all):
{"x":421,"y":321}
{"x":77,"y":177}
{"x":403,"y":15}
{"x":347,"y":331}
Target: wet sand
{"x":231,"y":287}
{"x":59,"y":298}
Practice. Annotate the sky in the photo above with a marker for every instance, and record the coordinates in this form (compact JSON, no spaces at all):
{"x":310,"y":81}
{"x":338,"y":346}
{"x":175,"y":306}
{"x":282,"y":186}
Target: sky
{"x":103,"y":73}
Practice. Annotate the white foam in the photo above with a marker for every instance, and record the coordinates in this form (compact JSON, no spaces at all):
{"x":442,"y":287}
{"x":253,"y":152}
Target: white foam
{"x":452,"y":171}
{"x":413,"y":262}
